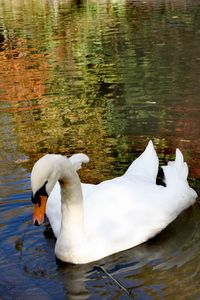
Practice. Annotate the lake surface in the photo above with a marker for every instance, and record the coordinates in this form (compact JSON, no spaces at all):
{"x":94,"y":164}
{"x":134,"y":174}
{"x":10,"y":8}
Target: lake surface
{"x":99,"y":77}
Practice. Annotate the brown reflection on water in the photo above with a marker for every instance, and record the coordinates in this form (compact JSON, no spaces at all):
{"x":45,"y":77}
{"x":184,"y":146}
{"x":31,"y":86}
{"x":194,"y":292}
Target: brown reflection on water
{"x":183,"y":132}
{"x":73,"y":83}
{"x":23,"y":76}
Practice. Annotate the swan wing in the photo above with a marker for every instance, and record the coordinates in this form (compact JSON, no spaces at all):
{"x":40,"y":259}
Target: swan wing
{"x":145,"y":166}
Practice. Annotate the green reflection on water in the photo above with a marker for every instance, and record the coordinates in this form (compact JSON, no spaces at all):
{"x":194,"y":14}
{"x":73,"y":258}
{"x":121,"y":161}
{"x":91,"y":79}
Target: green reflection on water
{"x":101,"y":78}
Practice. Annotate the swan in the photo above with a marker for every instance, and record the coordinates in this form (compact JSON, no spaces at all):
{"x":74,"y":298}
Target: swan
{"x":93,"y":221}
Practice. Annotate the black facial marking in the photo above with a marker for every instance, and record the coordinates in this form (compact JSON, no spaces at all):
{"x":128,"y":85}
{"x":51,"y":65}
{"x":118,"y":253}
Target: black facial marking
{"x":41,"y":192}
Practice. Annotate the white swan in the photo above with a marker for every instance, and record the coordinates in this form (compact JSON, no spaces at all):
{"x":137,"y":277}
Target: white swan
{"x":94,"y":221}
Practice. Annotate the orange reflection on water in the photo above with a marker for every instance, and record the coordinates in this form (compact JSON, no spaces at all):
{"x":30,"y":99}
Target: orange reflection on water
{"x":23,"y":76}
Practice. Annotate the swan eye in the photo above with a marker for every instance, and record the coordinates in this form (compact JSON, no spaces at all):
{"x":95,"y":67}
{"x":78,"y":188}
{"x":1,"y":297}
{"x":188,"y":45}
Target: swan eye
{"x":41,"y":192}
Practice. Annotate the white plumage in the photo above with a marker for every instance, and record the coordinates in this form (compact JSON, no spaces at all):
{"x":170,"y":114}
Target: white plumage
{"x":94,"y":221}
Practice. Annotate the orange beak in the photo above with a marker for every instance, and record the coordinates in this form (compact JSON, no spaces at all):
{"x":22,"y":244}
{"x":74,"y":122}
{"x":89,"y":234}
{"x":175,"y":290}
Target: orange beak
{"x":39,"y":211}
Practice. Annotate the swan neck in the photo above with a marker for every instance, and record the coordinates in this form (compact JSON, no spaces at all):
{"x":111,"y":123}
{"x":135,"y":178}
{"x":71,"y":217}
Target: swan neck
{"x":70,"y":184}
{"x":71,"y":205}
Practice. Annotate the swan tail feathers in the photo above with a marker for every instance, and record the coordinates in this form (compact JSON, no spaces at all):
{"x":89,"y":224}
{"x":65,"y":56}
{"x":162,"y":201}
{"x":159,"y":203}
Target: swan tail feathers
{"x":146,"y":165}
{"x":78,"y":159}
{"x":176,"y":170}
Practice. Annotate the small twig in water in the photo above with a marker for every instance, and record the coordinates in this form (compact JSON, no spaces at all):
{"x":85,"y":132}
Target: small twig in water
{"x":100,"y":268}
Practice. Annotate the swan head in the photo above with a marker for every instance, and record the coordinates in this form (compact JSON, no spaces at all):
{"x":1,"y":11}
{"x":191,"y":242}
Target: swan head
{"x":43,"y":179}
{"x":45,"y":174}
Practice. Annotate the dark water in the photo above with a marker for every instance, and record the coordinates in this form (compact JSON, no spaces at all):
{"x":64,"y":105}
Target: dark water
{"x":101,"y":78}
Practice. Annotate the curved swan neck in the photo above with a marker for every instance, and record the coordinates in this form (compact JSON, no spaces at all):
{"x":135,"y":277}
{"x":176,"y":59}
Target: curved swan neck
{"x":72,"y":221}
{"x":70,"y":183}
{"x":71,"y":203}
{"x":71,"y":191}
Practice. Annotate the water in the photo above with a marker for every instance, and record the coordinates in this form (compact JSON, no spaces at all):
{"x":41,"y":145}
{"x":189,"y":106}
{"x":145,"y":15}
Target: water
{"x":101,"y":78}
